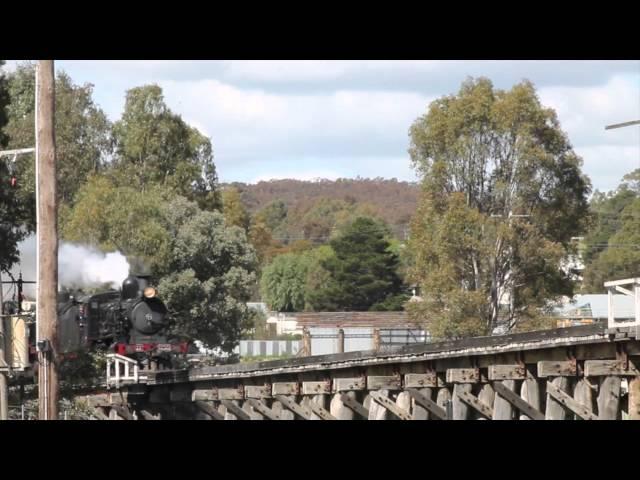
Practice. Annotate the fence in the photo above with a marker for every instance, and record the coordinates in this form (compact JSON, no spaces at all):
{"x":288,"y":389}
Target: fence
{"x":328,"y":340}
{"x":268,"y":348}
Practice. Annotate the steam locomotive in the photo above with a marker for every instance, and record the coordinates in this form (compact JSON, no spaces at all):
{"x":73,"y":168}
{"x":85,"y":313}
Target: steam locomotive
{"x":132,"y":322}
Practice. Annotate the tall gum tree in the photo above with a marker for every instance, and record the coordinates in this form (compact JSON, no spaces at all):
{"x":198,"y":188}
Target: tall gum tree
{"x":154,"y":146}
{"x":502,"y":196}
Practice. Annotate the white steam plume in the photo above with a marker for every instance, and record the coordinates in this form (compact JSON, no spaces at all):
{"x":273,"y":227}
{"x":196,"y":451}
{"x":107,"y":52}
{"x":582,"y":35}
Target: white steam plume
{"x":78,"y":266}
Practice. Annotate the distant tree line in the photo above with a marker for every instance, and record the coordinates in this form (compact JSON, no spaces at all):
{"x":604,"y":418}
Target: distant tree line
{"x":311,"y":205}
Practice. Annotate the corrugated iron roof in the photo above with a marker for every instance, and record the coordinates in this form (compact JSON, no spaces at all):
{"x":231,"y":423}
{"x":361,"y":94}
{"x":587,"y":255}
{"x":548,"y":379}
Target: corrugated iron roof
{"x":354,"y":319}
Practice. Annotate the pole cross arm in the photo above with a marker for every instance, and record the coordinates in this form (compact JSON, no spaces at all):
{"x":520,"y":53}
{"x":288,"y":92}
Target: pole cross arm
{"x":17,"y":152}
{"x":620,"y":125}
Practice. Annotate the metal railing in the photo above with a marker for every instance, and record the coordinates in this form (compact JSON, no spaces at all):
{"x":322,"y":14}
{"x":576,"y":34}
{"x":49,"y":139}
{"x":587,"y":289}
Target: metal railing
{"x":121,"y":370}
{"x":382,"y":339}
{"x":633,"y":291}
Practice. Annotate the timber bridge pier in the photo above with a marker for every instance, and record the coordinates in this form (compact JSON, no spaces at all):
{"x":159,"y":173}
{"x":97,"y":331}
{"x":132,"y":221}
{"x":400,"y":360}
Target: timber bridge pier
{"x":586,"y":372}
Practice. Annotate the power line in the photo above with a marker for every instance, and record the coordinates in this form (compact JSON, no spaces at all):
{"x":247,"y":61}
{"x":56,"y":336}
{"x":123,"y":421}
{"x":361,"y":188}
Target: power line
{"x":617,"y":215}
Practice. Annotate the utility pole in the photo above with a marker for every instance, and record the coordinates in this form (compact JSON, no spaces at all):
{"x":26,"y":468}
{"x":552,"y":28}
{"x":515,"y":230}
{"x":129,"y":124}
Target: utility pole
{"x":47,"y":234}
{"x":4,"y":393}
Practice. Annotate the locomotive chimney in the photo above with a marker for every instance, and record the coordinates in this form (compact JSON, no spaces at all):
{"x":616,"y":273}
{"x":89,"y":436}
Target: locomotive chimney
{"x":143,"y":282}
{"x":134,"y":285}
{"x":140,"y":271}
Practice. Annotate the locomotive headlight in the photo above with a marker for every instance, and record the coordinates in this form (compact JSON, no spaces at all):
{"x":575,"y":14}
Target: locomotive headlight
{"x":150,"y":292}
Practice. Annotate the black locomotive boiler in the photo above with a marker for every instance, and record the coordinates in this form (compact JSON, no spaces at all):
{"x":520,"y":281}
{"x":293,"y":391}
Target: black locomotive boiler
{"x":131,"y":322}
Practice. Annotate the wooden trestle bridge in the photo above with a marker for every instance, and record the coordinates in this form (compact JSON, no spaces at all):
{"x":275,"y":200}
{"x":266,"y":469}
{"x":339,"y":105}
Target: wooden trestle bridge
{"x":584,"y":373}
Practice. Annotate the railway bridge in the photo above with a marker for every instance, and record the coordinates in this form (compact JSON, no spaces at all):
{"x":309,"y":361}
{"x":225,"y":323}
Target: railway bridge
{"x":587,"y":372}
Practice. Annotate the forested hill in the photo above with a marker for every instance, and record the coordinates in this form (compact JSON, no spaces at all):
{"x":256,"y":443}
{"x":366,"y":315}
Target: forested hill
{"x":392,"y":200}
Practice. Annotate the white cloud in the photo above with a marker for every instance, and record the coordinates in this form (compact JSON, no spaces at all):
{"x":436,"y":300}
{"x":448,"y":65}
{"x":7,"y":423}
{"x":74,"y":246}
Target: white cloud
{"x":250,"y":125}
{"x":585,"y":111}
{"x":427,"y":76}
{"x":319,"y":70}
{"x":352,"y":118}
{"x":257,"y":133}
{"x":607,"y":164}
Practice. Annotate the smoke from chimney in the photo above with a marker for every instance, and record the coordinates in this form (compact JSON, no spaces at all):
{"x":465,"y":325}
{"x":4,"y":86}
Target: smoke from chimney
{"x":79,"y":266}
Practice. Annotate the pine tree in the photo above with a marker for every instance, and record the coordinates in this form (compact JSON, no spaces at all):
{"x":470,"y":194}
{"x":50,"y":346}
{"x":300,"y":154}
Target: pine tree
{"x":363,"y":271}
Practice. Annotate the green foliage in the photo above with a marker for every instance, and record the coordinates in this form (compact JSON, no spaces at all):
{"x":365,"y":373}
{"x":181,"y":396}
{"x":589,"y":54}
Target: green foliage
{"x":362,"y":271}
{"x":12,"y":214}
{"x":4,"y":102}
{"x":261,"y":330}
{"x":621,"y":259}
{"x":83,"y":133}
{"x":305,"y":217}
{"x":234,"y":211}
{"x":205,"y":268}
{"x":154,"y":146}
{"x":326,"y":217}
{"x":207,"y":275}
{"x":320,"y":220}
{"x":317,"y":276}
{"x":82,"y":368}
{"x":119,"y":218}
{"x":393,"y":303}
{"x":290,"y":282}
{"x":272,"y":215}
{"x":283,"y":282}
{"x":610,"y":248}
{"x":262,"y":240}
{"x":485,"y":155}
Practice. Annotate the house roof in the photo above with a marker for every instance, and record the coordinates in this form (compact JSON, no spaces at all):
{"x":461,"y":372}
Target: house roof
{"x":354,"y":319}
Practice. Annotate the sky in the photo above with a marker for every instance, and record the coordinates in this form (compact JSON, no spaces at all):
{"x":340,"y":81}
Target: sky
{"x":331,"y":119}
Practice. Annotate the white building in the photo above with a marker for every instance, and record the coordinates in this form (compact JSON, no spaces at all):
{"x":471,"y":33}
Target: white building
{"x":285,"y":323}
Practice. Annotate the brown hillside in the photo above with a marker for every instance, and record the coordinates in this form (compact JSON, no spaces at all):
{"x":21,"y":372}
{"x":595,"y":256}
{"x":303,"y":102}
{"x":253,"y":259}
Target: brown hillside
{"x":394,"y":201}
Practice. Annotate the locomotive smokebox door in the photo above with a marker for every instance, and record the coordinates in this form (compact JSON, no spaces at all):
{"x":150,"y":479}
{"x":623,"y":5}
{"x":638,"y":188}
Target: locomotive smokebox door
{"x":148,"y":317}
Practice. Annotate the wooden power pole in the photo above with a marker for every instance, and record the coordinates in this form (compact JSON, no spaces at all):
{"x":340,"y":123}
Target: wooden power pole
{"x":4,"y":392}
{"x":47,"y":234}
